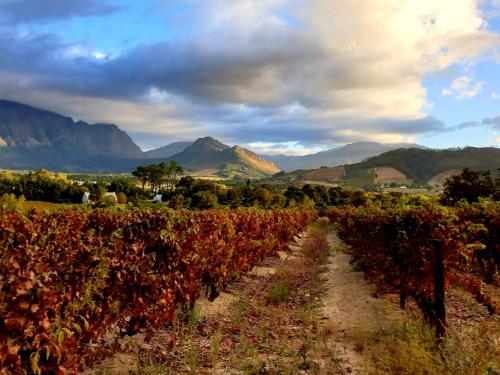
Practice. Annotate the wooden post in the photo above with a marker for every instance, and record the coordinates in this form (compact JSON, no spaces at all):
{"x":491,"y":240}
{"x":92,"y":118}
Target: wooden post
{"x":439,"y":306}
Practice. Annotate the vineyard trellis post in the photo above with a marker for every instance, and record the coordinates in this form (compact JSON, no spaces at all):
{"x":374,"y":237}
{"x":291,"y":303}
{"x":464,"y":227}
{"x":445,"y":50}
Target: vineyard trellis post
{"x":439,"y":303}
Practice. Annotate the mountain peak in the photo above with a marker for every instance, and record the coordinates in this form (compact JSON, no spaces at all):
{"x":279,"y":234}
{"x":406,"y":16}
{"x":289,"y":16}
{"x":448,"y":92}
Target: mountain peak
{"x":208,"y":153}
{"x":209,"y":142}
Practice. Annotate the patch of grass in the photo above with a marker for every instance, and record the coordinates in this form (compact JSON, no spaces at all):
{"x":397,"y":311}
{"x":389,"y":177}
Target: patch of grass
{"x":317,"y":248}
{"x":194,"y":318}
{"x":215,"y":343}
{"x":239,"y":310}
{"x":281,"y":289}
{"x":48,"y":206}
{"x":355,"y":267}
{"x":104,"y":371}
{"x":190,"y":316}
{"x":411,"y":349}
{"x":320,"y":226}
{"x":149,"y":366}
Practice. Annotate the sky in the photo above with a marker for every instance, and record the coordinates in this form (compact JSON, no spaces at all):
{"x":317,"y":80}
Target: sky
{"x":276,"y":76}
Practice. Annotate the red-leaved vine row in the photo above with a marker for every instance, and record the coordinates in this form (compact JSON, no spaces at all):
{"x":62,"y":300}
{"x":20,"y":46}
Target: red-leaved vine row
{"x":67,"y":277}
{"x":394,"y":247}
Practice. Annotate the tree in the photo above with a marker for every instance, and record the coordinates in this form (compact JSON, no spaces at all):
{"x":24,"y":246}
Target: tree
{"x":159,"y":175}
{"x":122,"y":197}
{"x":468,"y":185}
{"x":204,"y":200}
{"x":173,"y":170}
{"x":178,"y":201}
{"x":142,"y":175}
{"x":263,"y":197}
{"x":234,"y":197}
{"x":294,"y":193}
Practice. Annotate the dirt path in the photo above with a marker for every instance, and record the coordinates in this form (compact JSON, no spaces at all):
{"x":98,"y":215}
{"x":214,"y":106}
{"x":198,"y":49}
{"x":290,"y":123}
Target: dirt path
{"x":350,"y":311}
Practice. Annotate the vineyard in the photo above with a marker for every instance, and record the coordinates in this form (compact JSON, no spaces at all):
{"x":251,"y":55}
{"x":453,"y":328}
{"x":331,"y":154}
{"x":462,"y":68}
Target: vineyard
{"x":74,"y":281}
{"x":70,"y":278}
{"x":405,"y":249}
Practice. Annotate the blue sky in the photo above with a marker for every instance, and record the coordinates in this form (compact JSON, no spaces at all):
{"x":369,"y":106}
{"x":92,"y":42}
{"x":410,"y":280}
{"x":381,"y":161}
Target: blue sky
{"x":291,"y":76}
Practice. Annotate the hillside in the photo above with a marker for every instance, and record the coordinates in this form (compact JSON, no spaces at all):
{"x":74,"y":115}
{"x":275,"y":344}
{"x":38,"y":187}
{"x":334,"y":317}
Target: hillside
{"x":208,"y":153}
{"x":421,"y":165}
{"x":323,"y":176}
{"x":348,"y":154}
{"x":33,"y":138}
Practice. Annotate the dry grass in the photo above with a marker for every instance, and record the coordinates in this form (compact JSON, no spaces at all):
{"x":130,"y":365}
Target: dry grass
{"x":411,"y":349}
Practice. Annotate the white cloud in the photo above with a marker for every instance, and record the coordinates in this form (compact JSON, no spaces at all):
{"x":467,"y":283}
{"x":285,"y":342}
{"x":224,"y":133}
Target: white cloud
{"x":79,"y":50}
{"x":344,"y":59}
{"x":464,"y":87}
{"x":287,"y":148}
{"x":495,"y":95}
{"x":374,"y":136}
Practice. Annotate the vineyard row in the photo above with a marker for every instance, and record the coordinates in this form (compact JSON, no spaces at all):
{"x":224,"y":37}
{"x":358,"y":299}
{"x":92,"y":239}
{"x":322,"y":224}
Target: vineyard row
{"x":403,"y":248}
{"x":67,"y":278}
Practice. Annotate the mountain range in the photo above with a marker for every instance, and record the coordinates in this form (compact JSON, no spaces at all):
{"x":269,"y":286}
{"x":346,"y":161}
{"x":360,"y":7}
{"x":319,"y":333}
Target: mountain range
{"x":405,"y":166}
{"x":348,"y":154}
{"x":32,"y":138}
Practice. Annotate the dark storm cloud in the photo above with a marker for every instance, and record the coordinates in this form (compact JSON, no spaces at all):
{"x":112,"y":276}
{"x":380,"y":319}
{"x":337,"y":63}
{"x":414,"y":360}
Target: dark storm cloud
{"x":27,"y":11}
{"x":200,"y":73}
{"x":209,"y":73}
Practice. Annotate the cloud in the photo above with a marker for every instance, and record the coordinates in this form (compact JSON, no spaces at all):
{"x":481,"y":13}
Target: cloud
{"x":27,"y":11}
{"x":275,"y":71}
{"x":464,"y":87}
{"x":494,"y":122}
{"x":286,"y":148}
{"x":495,"y":95}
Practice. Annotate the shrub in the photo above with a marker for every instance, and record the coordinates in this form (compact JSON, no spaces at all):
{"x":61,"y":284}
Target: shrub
{"x":122,"y":198}
{"x":105,"y":202}
{"x":204,"y":200}
{"x":9,"y":202}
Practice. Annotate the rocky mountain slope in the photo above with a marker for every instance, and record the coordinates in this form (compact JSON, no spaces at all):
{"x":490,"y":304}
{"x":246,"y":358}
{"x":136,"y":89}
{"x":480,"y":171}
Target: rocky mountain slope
{"x":209,"y":153}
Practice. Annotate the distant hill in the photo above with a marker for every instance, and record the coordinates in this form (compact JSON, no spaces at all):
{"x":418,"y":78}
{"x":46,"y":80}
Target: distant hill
{"x":422,"y":165}
{"x":210,"y":154}
{"x":33,"y":138}
{"x":402,"y":166}
{"x":348,"y":154}
{"x":168,"y":150}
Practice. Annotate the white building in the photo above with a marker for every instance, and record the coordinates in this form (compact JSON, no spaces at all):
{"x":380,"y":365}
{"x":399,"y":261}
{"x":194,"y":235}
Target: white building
{"x":86,"y":197}
{"x":157,"y":198}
